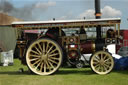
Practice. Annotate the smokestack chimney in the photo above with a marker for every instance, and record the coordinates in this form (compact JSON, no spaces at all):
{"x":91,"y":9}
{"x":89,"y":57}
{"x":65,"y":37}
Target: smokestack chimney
{"x":98,"y":16}
{"x":97,"y":9}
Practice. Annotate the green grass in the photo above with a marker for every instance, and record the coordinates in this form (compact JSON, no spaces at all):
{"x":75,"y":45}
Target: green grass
{"x":65,"y":76}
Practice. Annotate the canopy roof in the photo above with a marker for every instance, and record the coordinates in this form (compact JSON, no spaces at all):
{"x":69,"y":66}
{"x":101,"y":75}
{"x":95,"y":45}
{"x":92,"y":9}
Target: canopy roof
{"x":66,"y":23}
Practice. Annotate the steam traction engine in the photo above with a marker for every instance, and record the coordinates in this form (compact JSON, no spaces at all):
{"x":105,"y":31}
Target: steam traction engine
{"x":66,"y":41}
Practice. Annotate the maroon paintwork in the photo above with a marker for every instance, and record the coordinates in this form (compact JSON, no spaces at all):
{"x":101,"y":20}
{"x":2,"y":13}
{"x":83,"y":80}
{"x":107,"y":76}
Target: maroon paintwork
{"x":87,"y":47}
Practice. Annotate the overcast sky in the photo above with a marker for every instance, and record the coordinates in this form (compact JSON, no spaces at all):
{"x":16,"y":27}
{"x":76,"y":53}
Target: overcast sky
{"x":64,"y":9}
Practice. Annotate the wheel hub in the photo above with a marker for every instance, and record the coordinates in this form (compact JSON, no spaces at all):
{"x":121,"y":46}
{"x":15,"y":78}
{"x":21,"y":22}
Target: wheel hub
{"x":101,"y":62}
{"x":44,"y":57}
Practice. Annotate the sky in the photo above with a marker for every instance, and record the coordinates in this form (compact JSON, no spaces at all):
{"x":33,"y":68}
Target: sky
{"x":34,"y":10}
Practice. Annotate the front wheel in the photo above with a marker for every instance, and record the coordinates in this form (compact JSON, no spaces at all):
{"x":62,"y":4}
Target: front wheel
{"x":102,"y":62}
{"x":44,"y":56}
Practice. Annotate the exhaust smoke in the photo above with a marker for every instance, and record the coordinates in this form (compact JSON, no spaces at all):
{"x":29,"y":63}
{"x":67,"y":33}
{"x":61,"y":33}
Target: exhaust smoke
{"x":27,"y":11}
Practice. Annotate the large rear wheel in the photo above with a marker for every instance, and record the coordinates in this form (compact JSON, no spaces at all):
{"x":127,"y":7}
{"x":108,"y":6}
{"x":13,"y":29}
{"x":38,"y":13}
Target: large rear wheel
{"x":44,"y":57}
{"x":102,"y":62}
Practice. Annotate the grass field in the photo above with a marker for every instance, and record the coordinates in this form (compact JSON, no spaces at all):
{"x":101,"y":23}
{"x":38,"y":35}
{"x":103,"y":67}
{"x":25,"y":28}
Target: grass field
{"x":65,"y":76}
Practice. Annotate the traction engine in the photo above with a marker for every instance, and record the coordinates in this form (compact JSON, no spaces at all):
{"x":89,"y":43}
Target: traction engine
{"x":61,"y":42}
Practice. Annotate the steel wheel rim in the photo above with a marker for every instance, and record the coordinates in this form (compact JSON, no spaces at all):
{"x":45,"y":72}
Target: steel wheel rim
{"x":102,"y":62}
{"x":44,"y":57}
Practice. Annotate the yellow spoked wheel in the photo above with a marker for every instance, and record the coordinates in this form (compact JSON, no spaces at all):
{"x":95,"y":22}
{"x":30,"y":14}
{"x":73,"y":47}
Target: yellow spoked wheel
{"x":102,"y":62}
{"x":44,"y":57}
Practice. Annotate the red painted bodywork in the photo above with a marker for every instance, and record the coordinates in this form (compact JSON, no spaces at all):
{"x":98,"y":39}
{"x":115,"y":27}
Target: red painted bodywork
{"x":86,"y":47}
{"x":123,"y":39}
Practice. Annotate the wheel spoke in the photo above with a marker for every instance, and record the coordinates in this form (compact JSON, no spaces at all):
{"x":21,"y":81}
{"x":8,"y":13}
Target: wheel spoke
{"x":38,"y":50}
{"x":48,"y":65}
{"x":41,"y":67}
{"x":106,"y":65}
{"x":34,"y":59}
{"x":105,"y":69}
{"x":54,"y":58}
{"x":107,"y":60}
{"x":95,"y":62}
{"x":97,"y":65}
{"x":50,"y":49}
{"x":102,"y":68}
{"x":96,"y":59}
{"x":55,"y":54}
{"x":102,"y":56}
{"x":35,"y":56}
{"x":34,"y":52}
{"x":44,"y":48}
{"x":47,"y":46}
{"x":45,"y":67}
{"x":105,"y":57}
{"x":40,"y":47}
{"x":38,"y":65}
{"x":53,"y":61}
{"x":36,"y":62}
{"x":51,"y":65}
